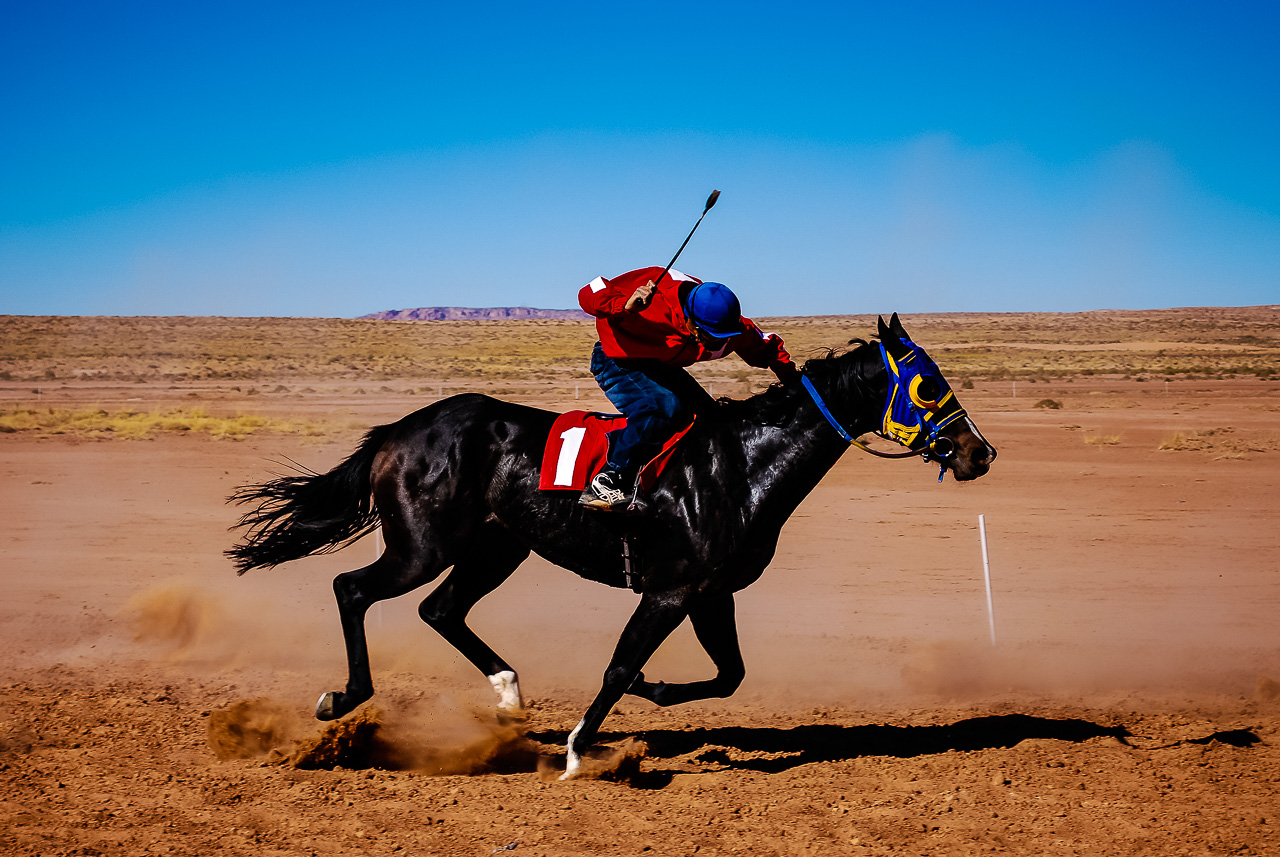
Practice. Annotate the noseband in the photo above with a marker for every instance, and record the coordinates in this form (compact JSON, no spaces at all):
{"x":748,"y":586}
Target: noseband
{"x":901,"y":405}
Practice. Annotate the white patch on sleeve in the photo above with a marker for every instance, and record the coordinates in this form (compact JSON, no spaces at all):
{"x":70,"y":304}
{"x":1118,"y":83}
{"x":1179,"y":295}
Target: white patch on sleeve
{"x":597,"y":285}
{"x":676,"y":275}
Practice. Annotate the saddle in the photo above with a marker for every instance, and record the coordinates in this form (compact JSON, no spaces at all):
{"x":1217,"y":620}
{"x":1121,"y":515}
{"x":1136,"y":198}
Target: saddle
{"x":579,"y":446}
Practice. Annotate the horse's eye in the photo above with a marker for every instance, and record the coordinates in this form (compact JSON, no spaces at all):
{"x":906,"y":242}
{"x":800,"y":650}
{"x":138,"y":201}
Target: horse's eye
{"x":925,"y":391}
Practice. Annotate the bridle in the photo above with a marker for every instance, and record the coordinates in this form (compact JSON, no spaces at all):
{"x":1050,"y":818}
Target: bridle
{"x":904,"y":400}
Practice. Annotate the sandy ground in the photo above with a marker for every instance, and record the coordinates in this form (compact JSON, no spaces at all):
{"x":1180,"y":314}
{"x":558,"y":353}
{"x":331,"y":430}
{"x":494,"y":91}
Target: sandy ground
{"x":1128,"y":705}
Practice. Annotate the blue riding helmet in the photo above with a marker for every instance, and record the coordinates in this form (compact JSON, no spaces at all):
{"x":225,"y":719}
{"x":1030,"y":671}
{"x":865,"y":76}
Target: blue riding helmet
{"x":714,"y":309}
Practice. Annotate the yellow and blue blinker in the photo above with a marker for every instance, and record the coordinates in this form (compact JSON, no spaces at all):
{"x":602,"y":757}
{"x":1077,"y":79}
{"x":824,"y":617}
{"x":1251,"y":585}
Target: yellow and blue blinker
{"x":920,"y":402}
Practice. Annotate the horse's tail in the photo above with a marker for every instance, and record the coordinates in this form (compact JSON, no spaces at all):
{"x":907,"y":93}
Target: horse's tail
{"x":311,"y":513}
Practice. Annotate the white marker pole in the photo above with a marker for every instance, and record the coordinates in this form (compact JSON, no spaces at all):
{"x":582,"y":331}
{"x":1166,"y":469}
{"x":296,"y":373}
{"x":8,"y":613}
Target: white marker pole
{"x":986,"y":574}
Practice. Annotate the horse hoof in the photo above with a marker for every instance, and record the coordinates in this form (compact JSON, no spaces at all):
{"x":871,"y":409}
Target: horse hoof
{"x":326,"y":707}
{"x":572,"y":764}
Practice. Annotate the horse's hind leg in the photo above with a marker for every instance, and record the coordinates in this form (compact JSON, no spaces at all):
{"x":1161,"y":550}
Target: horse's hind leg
{"x":486,"y":566}
{"x":356,"y":592}
{"x":717,"y":631}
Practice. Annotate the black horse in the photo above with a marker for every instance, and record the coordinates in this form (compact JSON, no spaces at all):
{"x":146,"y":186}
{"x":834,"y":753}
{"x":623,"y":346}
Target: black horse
{"x":456,"y":485}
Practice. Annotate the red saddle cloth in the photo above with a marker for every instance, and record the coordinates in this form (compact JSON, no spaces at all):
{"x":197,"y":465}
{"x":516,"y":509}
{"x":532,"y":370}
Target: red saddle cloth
{"x":579,"y":445}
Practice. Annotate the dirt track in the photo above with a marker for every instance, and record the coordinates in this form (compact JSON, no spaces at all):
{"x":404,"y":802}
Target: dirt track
{"x":1127,"y":708}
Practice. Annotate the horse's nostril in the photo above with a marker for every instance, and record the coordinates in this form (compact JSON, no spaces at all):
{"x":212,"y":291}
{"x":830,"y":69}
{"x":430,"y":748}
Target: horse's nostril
{"x":983,"y":456}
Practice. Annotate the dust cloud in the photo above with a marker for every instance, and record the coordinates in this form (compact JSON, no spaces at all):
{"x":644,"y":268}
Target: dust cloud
{"x":208,"y":628}
{"x":177,"y":617}
{"x":430,"y":737}
{"x":975,"y":671}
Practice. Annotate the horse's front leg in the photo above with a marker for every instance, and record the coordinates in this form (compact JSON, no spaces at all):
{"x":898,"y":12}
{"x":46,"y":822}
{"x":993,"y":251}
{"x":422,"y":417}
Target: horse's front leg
{"x":717,"y":630}
{"x":658,"y":614}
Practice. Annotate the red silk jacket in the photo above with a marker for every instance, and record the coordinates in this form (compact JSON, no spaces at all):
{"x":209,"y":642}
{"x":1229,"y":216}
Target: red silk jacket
{"x":661,"y":331}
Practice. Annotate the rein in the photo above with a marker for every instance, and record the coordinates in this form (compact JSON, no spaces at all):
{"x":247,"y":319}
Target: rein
{"x":840,"y":430}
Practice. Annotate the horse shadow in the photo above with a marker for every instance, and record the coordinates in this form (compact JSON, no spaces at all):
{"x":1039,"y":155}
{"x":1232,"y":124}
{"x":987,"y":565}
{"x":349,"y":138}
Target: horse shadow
{"x":772,"y":750}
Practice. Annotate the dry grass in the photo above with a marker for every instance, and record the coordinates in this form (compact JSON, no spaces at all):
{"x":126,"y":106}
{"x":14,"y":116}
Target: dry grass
{"x":134,"y":425}
{"x":1219,"y":442}
{"x":1102,"y":439}
{"x":1193,"y":343}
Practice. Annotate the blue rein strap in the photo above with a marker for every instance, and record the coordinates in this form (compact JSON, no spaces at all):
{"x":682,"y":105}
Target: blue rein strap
{"x":840,"y":430}
{"x":826,"y":412}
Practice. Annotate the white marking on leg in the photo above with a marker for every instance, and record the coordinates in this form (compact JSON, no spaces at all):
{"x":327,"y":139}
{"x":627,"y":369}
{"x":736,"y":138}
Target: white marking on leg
{"x":571,"y":759}
{"x":507,"y":687}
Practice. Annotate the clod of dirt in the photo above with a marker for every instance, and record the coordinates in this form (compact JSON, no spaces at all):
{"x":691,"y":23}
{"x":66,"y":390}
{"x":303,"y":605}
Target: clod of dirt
{"x":249,"y":728}
{"x":347,"y":743}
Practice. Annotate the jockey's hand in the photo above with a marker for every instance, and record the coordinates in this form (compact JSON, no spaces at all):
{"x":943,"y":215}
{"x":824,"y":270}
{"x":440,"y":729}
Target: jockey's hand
{"x":641,"y":297}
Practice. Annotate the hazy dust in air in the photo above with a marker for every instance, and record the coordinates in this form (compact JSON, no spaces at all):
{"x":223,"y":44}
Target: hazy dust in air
{"x":209,"y":632}
{"x":175,"y":616}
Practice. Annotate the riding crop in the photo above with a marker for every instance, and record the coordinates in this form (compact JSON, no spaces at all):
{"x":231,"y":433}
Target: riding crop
{"x":711,"y":200}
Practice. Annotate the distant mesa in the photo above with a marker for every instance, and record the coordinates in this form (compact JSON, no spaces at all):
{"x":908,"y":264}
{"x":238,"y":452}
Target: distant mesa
{"x":463,"y":313}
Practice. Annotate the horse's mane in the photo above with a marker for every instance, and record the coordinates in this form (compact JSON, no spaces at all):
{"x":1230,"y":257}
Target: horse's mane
{"x":777,"y":404}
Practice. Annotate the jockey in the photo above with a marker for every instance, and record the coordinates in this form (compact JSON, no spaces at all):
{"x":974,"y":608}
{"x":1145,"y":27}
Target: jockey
{"x":648,"y":333}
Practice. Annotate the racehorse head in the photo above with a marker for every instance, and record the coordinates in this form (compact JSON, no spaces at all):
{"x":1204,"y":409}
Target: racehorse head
{"x":922,"y":412}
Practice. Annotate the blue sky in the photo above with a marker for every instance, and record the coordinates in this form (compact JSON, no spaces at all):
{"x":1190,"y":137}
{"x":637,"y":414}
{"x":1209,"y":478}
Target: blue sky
{"x":322,"y":160}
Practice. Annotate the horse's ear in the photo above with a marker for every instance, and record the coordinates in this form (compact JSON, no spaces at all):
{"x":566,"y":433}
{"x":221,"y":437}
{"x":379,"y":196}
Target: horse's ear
{"x":891,"y":336}
{"x":883,"y":329}
{"x":895,"y":325}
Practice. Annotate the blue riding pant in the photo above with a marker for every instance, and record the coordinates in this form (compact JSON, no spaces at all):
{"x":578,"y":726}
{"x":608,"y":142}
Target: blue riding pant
{"x":656,"y":399}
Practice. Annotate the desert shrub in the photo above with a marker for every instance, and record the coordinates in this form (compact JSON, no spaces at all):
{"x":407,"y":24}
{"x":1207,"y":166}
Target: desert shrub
{"x":1182,"y":442}
{"x":1218,"y":441}
{"x":1052,"y":404}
